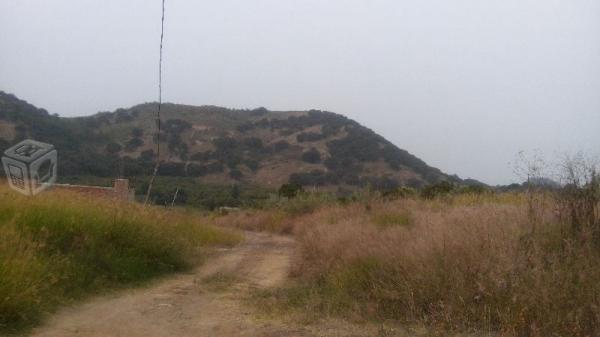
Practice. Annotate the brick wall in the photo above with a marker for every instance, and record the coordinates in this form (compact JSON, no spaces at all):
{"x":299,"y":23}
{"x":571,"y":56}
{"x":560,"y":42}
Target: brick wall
{"x":119,"y":191}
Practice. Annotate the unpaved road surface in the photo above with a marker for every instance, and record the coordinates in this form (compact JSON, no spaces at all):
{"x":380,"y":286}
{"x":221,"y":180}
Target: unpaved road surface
{"x":187,"y":305}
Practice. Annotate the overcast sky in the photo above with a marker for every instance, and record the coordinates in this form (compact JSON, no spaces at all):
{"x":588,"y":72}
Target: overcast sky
{"x":462,"y":84}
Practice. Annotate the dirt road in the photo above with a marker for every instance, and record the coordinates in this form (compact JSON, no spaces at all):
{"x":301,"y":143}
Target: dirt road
{"x":206,"y":302}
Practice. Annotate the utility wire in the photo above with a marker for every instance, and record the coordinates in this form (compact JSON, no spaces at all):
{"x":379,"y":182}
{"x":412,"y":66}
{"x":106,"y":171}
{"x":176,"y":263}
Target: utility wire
{"x":157,"y":165}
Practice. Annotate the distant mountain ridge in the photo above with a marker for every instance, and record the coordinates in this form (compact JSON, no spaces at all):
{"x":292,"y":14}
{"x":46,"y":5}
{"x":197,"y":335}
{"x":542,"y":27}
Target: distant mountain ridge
{"x":220,"y":145}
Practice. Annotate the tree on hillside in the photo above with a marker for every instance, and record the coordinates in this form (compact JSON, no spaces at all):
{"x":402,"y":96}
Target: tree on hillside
{"x":312,"y":156}
{"x":290,"y":190}
{"x":113,"y":148}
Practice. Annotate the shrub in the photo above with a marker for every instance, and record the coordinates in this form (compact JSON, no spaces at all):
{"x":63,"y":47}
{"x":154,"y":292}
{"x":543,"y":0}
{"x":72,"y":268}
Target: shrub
{"x":245,"y":127}
{"x":133,"y":144}
{"x":312,"y":156}
{"x":236,"y":174}
{"x":202,"y":156}
{"x":312,"y":178}
{"x":176,"y":126}
{"x":195,"y":170}
{"x":137,"y":132}
{"x":172,"y":169}
{"x":225,"y":143}
{"x":309,"y":137}
{"x":253,"y":143}
{"x":290,"y":190}
{"x":399,"y":193}
{"x":123,"y":116}
{"x":280,"y":146}
{"x":252,"y":164}
{"x":361,"y":144}
{"x":147,"y":155}
{"x":436,"y":190}
{"x":384,"y":184}
{"x":113,"y":148}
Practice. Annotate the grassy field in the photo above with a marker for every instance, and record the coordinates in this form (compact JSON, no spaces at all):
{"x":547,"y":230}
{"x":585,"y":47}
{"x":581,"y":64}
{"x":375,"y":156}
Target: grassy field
{"x":495,"y":264}
{"x":58,"y":247}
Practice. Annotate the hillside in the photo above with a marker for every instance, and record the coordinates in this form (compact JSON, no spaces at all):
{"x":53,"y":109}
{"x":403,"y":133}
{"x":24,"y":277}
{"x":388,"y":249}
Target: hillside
{"x":220,"y":146}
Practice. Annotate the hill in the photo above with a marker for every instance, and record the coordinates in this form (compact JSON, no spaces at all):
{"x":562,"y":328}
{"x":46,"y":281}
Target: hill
{"x":220,"y":146}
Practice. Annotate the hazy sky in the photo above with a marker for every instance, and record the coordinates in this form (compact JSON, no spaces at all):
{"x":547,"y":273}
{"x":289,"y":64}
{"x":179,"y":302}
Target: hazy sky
{"x":462,"y":84}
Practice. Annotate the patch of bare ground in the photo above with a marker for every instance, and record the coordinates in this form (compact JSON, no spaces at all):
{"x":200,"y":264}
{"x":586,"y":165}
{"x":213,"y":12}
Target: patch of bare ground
{"x":207,"y":302}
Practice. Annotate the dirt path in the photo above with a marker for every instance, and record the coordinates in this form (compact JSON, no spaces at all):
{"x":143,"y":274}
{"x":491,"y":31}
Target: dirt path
{"x":206,"y":302}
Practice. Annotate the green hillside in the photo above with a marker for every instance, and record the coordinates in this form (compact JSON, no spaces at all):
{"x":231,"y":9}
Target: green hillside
{"x":214,"y":145}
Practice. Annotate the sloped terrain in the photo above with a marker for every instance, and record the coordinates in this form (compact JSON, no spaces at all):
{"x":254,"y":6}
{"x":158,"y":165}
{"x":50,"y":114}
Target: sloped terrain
{"x":219,"y":145}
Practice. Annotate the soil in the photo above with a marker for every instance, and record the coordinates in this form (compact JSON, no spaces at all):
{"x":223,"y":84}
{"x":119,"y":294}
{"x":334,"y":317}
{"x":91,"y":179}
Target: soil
{"x":206,"y":302}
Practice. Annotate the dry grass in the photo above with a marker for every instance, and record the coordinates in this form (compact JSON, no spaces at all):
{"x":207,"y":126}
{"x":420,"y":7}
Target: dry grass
{"x":467,"y":264}
{"x":220,"y":281}
{"x":256,"y":220}
{"x":278,"y":214}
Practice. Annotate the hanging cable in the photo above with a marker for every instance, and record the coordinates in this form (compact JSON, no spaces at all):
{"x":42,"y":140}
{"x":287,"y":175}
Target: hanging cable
{"x":157,"y":165}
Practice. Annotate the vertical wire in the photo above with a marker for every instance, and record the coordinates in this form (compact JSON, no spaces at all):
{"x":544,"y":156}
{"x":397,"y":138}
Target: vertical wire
{"x":158,"y":126}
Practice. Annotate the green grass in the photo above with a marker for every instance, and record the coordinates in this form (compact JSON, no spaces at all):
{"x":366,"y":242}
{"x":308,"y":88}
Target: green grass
{"x":56,"y":248}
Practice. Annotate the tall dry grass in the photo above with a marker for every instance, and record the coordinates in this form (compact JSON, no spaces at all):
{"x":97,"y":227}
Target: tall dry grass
{"x":277,"y":215}
{"x":465,"y":264}
{"x":58,"y":247}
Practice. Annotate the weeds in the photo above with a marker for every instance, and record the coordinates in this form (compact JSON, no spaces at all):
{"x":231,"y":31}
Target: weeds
{"x":463,"y":264}
{"x":57,"y":247}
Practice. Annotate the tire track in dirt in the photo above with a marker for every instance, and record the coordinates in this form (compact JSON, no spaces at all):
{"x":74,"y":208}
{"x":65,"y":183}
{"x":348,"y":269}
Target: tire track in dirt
{"x":184,"y":305}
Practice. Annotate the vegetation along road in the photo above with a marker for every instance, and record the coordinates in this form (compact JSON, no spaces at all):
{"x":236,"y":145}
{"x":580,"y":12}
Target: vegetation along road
{"x":209,"y":301}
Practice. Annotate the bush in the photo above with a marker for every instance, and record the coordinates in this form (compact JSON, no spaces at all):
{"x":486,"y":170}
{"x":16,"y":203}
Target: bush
{"x":202,"y":156}
{"x":437,"y":190}
{"x":133,"y":144}
{"x":309,"y":137}
{"x":236,"y":174}
{"x":312,"y":156}
{"x":280,"y":146}
{"x":252,"y":164}
{"x":123,"y":116}
{"x":253,"y":143}
{"x":137,"y":132}
{"x":313,"y":178}
{"x":194,"y":170}
{"x":225,"y":144}
{"x":259,"y":111}
{"x":245,"y":127}
{"x":147,"y":155}
{"x":399,"y":193}
{"x":290,"y":190}
{"x":113,"y":148}
{"x":361,"y":144}
{"x":176,"y":126}
{"x":384,"y":184}
{"x":172,"y":169}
